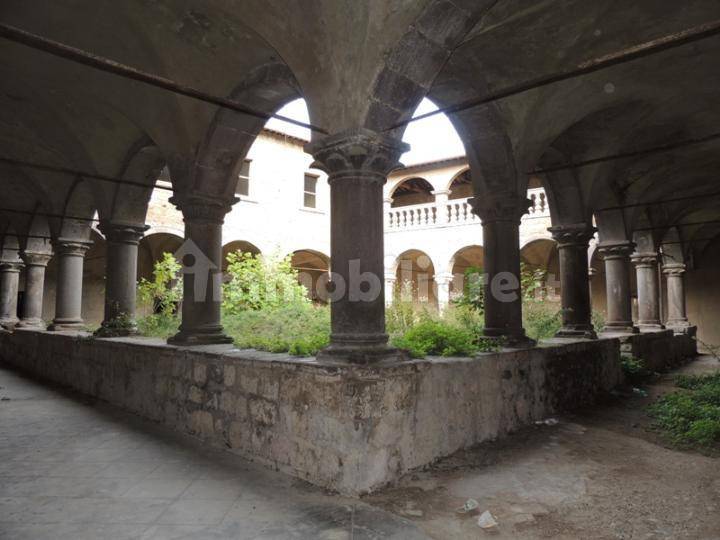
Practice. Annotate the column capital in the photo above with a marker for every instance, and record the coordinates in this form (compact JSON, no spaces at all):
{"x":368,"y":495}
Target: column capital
{"x":674,"y":269}
{"x":33,"y":258}
{"x":644,"y":260}
{"x":122,"y":233}
{"x":576,"y":235}
{"x":357,"y":154}
{"x":615,"y":250}
{"x":203,"y":209}
{"x":69,"y":246}
{"x":11,"y":267}
{"x":500,"y":207}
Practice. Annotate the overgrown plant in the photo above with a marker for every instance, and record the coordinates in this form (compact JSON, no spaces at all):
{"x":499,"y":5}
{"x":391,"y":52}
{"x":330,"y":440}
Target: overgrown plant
{"x":161,"y":296}
{"x":691,"y":415}
{"x":260,"y":282}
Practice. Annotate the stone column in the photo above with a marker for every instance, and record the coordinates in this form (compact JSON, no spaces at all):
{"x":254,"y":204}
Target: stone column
{"x":120,"y":278}
{"x":201,"y":257}
{"x":617,"y":279}
{"x":573,"y":243}
{"x":357,"y":163}
{"x":9,"y":284}
{"x":500,"y":217}
{"x":443,"y":282}
{"x":646,"y":265}
{"x":35,"y":264}
{"x":441,"y":201}
{"x":70,"y":255}
{"x":677,"y":318}
{"x":390,"y":281}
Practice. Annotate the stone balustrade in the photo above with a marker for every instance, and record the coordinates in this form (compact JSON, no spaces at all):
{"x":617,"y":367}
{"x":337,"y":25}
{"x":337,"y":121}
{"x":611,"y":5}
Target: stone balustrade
{"x":453,"y":212}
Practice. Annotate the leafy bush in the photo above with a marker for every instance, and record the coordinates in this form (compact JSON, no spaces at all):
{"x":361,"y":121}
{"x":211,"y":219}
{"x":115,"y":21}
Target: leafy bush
{"x":541,"y":319}
{"x":437,"y":337}
{"x":473,"y":294}
{"x":634,"y":369}
{"x":260,"y":282}
{"x":161,"y":297}
{"x":300,"y":329}
{"x":164,"y":292}
{"x":691,"y":416}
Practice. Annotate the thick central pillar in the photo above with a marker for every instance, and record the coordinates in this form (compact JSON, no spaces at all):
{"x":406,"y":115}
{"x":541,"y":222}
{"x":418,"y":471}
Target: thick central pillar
{"x":646,"y":268}
{"x":120,"y":278}
{"x":572,"y":242}
{"x":9,"y":285}
{"x":617,"y":279}
{"x":677,"y":317}
{"x":500,"y":217}
{"x":201,"y":259}
{"x":70,"y":256}
{"x":357,"y":163}
{"x":35,"y":265}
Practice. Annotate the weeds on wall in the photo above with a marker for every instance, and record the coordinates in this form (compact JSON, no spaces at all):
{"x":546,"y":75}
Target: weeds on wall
{"x":690,"y":417}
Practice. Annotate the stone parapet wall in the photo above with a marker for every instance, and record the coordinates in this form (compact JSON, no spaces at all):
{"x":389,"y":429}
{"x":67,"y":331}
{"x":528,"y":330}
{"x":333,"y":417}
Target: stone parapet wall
{"x":661,"y":350}
{"x":346,"y":428}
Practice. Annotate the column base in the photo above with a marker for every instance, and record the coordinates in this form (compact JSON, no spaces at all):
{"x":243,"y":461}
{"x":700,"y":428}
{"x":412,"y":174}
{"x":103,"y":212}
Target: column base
{"x":62,"y":325}
{"x":362,"y":355}
{"x":577,"y":332}
{"x":8,"y":324}
{"x":32,"y":324}
{"x":113,"y":329}
{"x":508,"y":341}
{"x":645,"y":327}
{"x":200,"y":336}
{"x":621,"y":327}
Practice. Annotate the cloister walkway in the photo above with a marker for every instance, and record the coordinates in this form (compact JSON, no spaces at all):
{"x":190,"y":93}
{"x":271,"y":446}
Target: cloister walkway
{"x":76,"y":469}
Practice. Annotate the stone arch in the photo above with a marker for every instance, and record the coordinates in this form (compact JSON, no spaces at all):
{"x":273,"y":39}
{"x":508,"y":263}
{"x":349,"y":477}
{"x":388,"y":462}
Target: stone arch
{"x":231,"y":135}
{"x":460,"y":185}
{"x":464,"y":259}
{"x":151,"y":248}
{"x":311,"y":266}
{"x":238,"y":245}
{"x":415,"y":277}
{"x":415,"y":190}
{"x":542,"y":253}
{"x":413,"y":64}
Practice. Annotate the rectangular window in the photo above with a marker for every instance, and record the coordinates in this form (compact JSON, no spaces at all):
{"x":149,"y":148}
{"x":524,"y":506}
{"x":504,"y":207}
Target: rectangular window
{"x":310,"y":191}
{"x":243,"y":183}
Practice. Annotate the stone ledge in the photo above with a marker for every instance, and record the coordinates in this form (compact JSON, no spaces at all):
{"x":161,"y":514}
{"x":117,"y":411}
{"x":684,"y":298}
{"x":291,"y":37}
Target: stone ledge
{"x":345,"y":427}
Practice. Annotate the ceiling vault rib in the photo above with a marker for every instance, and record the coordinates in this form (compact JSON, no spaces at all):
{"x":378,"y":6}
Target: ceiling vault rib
{"x":709,"y":222}
{"x":73,"y":172}
{"x":648,"y":48}
{"x":624,"y":155}
{"x":656,"y":203}
{"x":89,"y":59}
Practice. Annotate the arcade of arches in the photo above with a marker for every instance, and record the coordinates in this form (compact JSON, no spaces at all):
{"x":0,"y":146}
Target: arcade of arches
{"x":626,"y":154}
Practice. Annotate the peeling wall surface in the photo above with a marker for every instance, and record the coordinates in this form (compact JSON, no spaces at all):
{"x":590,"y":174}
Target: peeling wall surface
{"x":347,"y":428}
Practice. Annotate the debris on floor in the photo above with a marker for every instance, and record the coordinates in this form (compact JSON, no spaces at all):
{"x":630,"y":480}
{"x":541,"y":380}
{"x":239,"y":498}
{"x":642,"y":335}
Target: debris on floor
{"x":547,"y":422}
{"x":470,"y":507}
{"x":487,"y":520}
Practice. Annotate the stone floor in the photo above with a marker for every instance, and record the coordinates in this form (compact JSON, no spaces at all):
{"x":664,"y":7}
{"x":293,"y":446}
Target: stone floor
{"x":71,"y":468}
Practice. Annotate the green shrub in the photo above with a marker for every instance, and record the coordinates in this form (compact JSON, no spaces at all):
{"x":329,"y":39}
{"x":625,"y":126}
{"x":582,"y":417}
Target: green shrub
{"x":437,"y":337}
{"x":541,"y":319}
{"x":598,"y":321}
{"x":300,"y":329}
{"x":161,"y":297}
{"x":473,"y":293}
{"x":158,"y":325}
{"x":164,"y":292}
{"x":260,"y":282}
{"x":634,"y":369}
{"x":691,"y":416}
